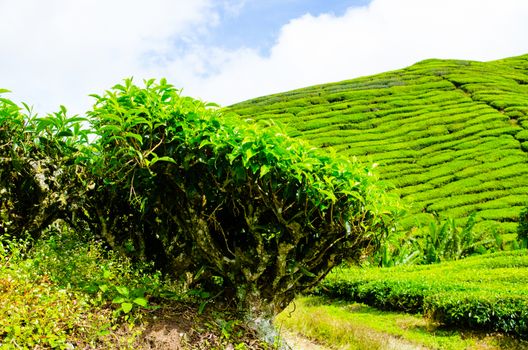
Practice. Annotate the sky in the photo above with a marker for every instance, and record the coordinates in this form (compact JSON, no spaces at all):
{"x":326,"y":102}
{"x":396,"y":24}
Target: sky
{"x":57,"y":52}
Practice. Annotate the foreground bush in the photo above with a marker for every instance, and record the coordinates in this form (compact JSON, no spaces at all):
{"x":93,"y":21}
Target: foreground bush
{"x":66,"y":291}
{"x":487,"y":292}
{"x":241,"y":209}
{"x":39,"y":182}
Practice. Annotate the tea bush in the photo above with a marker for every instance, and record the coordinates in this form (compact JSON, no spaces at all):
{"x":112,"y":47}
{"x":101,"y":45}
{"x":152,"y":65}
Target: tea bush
{"x":224,"y":200}
{"x":39,"y":182}
{"x":485,"y":292}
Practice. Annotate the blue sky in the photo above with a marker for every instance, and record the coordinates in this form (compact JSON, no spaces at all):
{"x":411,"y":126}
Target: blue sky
{"x":257,"y":23}
{"x":57,"y":52}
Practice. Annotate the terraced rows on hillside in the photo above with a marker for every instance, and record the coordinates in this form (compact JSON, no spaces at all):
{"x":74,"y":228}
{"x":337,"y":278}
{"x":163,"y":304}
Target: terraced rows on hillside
{"x":450,"y":135}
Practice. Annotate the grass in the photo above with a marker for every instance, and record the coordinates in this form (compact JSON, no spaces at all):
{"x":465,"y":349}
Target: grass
{"x":68,"y":291}
{"x":345,"y":325}
{"x":43,"y":305}
{"x":488,"y":292}
{"x":435,"y":128}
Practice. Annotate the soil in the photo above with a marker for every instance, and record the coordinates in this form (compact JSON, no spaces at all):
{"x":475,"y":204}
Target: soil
{"x":299,"y":342}
{"x":181,"y":326}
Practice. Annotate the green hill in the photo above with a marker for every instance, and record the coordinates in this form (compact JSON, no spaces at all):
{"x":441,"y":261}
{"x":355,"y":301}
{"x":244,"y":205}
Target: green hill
{"x":450,"y":135}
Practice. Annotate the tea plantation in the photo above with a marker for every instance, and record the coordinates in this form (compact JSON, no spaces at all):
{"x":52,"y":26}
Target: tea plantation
{"x":451,"y":136}
{"x":483,"y":292}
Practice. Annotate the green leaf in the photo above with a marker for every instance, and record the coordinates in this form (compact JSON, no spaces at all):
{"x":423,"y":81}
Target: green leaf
{"x":6,"y":101}
{"x":135,"y":136}
{"x":264,"y":170}
{"x":97,"y":97}
{"x":111,"y":128}
{"x":118,"y":300}
{"x":254,"y":168}
{"x":140,"y":120}
{"x":205,"y":143}
{"x":43,"y":124}
{"x":65,"y":133}
{"x":113,"y":117}
{"x":249,"y":153}
{"x":103,"y":332}
{"x":107,"y":274}
{"x":119,"y":87}
{"x":166,"y":159}
{"x":201,"y":308}
{"x":232,"y":157}
{"x":162,"y":159}
{"x":141,"y":302}
{"x":76,"y":119}
{"x":114,"y":138}
{"x":306,"y":272}
{"x":2,"y":91}
{"x":126,"y":307}
{"x":123,"y":291}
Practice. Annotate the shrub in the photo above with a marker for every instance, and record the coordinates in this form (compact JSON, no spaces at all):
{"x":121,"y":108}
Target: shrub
{"x":38,"y":180}
{"x":42,"y":305}
{"x":245,"y":211}
{"x":485,"y":292}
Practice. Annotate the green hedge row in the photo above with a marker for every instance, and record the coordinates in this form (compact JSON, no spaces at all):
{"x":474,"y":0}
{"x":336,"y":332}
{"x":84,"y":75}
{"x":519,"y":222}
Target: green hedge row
{"x":487,"y":292}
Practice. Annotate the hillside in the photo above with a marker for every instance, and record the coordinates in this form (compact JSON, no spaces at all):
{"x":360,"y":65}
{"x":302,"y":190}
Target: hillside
{"x":451,"y":136}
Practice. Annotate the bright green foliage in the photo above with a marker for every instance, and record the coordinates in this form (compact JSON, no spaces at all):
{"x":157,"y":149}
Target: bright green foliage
{"x":201,"y":193}
{"x":106,"y":278}
{"x":48,"y":295}
{"x":522,"y":228}
{"x":68,"y":291}
{"x":487,"y":292}
{"x":449,"y":135}
{"x":435,"y":241}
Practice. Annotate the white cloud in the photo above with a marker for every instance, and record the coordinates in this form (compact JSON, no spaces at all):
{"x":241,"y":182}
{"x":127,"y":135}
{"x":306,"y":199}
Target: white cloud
{"x":58,"y":51}
{"x":387,"y":34}
{"x":233,"y":7}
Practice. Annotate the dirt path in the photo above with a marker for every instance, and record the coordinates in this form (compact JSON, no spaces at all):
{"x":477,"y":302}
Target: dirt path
{"x":387,"y":342}
{"x":299,"y":342}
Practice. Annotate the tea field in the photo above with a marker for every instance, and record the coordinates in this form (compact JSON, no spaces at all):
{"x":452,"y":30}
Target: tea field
{"x":450,"y":136}
{"x":487,"y":292}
